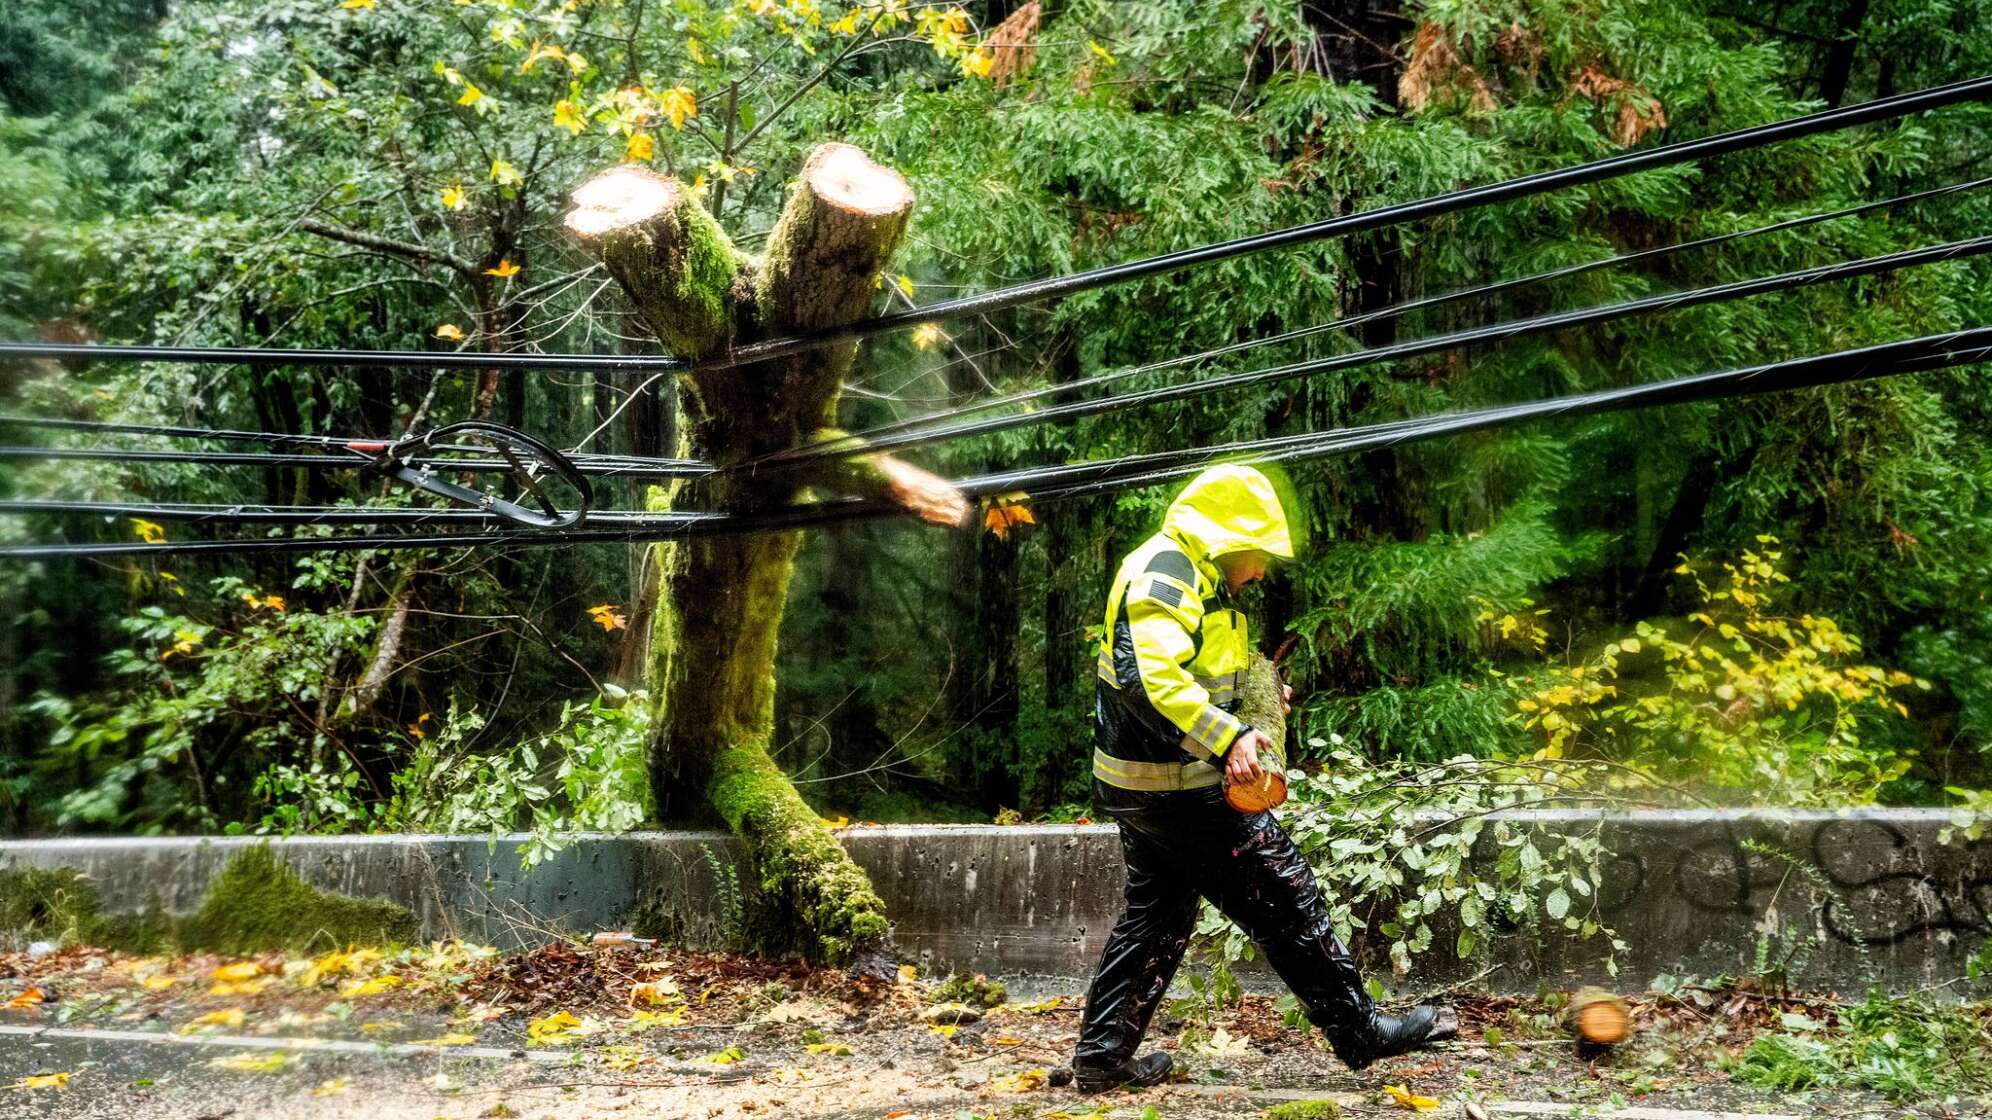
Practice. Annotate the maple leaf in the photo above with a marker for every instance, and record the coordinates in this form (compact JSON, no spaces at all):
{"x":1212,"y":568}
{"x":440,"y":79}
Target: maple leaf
{"x":661,"y":990}
{"x":454,"y":198}
{"x":641,"y":148}
{"x":978,"y":64}
{"x":226,"y":1017}
{"x":927,"y":335}
{"x":27,"y":1000}
{"x":355,"y":988}
{"x":694,"y":48}
{"x":504,"y":174}
{"x":241,"y":987}
{"x":606,"y":616}
{"x":471,"y":94}
{"x":1006,"y":513}
{"x":905,"y":283}
{"x":43,"y":1081}
{"x":150,"y":532}
{"x":449,"y":331}
{"x":669,"y":1017}
{"x":539,"y":51}
{"x":567,"y":115}
{"x":505,"y":270}
{"x":678,"y":103}
{"x":1023,"y":1081}
{"x":1405,"y":1098}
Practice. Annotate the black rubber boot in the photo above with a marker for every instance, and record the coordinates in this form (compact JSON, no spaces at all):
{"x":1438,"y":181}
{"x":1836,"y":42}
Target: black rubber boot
{"x":1135,"y":1073}
{"x":1391,"y":1035}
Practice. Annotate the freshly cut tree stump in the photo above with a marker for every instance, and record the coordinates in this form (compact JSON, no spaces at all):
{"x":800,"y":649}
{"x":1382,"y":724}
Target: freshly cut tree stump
{"x":1599,"y":1019}
{"x":719,"y":600}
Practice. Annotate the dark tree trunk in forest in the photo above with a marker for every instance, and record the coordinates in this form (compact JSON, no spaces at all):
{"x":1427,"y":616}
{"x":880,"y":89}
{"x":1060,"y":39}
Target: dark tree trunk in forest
{"x":1840,"y":56}
{"x":720,"y":599}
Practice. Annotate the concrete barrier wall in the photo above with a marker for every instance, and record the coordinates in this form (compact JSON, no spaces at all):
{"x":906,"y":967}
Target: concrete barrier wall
{"x":1848,"y":899}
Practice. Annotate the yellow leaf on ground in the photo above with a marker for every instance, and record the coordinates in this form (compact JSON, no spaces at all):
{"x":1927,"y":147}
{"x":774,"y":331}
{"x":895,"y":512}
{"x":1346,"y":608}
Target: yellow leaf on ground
{"x":243,"y":970}
{"x":354,"y":988}
{"x":725,"y":1057}
{"x":661,"y":990}
{"x":332,"y":1087}
{"x":670,"y":1017}
{"x":159,"y":983}
{"x":241,"y":987}
{"x":945,"y":1030}
{"x":556,"y":1029}
{"x":453,"y":1039}
{"x":909,"y":972}
{"x":1023,"y":1081}
{"x":253,"y":1063}
{"x":380,"y":1026}
{"x":834,"y":1049}
{"x":226,"y":1017}
{"x":43,"y":1081}
{"x":1405,"y":1098}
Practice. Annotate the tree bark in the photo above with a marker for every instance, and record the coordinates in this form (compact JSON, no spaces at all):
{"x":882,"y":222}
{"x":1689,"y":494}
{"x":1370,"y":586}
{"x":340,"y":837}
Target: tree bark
{"x":720,"y":600}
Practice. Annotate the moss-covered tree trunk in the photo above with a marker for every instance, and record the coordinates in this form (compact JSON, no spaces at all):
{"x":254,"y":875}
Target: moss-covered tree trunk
{"x":720,"y":599}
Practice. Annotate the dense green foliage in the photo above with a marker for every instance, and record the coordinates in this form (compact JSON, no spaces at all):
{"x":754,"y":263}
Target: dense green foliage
{"x":317,"y":174}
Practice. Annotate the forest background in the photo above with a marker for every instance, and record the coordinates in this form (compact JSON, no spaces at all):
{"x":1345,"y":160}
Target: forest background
{"x":1775,"y":601}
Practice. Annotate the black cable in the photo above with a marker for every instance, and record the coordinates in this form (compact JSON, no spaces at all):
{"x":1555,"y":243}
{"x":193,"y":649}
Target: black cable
{"x":1914,"y":355}
{"x":1002,"y":298}
{"x":246,"y":513}
{"x":622,"y":467}
{"x":858,"y":441}
{"x":1497,"y":332}
{"x":285,"y":439}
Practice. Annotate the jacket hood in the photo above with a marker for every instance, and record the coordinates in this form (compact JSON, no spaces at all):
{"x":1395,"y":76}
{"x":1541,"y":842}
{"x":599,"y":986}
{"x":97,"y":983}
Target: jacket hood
{"x":1229,"y":509}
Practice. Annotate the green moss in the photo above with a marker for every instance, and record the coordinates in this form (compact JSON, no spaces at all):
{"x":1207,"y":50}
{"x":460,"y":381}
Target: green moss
{"x":975,"y":991}
{"x":1259,"y":703}
{"x":1305,"y":1110}
{"x":796,"y":859}
{"x":49,"y":904}
{"x":257,"y":903}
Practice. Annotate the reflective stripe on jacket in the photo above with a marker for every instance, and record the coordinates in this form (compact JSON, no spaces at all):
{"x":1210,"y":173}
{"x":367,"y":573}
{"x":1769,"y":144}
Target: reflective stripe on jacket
{"x":1173,"y":655}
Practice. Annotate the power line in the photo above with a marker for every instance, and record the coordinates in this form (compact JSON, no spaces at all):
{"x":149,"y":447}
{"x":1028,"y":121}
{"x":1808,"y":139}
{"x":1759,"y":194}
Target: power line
{"x":858,"y":441}
{"x":606,"y":466}
{"x":1915,"y":355}
{"x":1055,"y":287}
{"x":1497,"y":332}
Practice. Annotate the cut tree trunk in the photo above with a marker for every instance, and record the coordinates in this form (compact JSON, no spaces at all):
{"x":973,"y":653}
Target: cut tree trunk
{"x":719,"y":600}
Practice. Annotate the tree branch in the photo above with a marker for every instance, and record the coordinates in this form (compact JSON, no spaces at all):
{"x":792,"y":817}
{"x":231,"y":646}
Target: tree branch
{"x":391,"y":247}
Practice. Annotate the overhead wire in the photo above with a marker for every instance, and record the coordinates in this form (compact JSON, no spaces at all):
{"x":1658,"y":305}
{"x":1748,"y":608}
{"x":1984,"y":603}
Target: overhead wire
{"x":1431,"y":344}
{"x":1916,"y":355}
{"x":859,"y":441}
{"x":1072,"y":283}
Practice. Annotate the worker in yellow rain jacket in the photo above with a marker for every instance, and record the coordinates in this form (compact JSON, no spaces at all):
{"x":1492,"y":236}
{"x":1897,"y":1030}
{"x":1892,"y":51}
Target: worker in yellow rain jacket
{"x":1172,"y":663}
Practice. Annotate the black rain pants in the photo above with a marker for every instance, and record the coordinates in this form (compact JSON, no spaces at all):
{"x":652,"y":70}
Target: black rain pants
{"x":1190,"y":844}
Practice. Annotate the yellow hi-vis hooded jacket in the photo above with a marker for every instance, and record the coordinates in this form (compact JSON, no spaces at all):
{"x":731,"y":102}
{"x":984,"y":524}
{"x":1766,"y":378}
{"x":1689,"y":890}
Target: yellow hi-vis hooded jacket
{"x":1172,"y":657}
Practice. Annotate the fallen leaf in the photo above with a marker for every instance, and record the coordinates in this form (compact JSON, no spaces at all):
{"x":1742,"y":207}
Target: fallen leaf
{"x":1405,"y":1098}
{"x":908,"y":972}
{"x":669,"y":1017}
{"x":556,"y":1029}
{"x":27,"y":1000}
{"x":241,"y":987}
{"x":945,"y":1030}
{"x":332,"y":1087}
{"x":725,"y":1057}
{"x":1023,"y":1081}
{"x":43,"y":1081}
{"x":834,"y":1049}
{"x":253,"y":1063}
{"x":452,"y":1039}
{"x":353,"y":988}
{"x":242,"y":970}
{"x":159,"y":983}
{"x":226,"y":1017}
